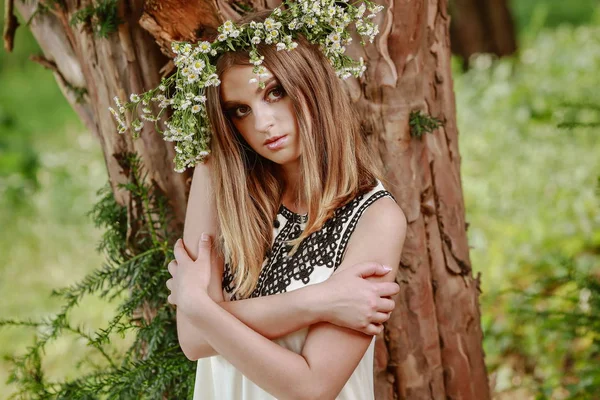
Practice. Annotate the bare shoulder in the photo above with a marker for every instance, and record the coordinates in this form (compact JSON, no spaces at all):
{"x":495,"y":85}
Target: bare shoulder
{"x":379,"y":235}
{"x":384,"y":214}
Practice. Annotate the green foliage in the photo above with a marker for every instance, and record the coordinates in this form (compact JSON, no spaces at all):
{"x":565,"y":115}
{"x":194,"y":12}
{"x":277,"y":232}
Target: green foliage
{"x":533,"y":207}
{"x":421,"y":123}
{"x":534,"y":15}
{"x":102,"y":17}
{"x":18,"y":165}
{"x":581,"y":114}
{"x":135,"y":269}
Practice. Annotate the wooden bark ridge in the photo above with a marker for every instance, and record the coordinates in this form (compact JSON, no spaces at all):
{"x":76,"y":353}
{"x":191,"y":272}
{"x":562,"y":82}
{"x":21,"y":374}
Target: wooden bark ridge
{"x":432,"y":347}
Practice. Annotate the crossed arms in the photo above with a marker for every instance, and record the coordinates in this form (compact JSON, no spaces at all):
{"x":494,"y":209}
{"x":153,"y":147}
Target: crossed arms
{"x":240,"y":330}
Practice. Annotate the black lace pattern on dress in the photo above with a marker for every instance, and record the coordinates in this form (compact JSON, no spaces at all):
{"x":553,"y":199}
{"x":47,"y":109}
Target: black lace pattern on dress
{"x":324,"y":248}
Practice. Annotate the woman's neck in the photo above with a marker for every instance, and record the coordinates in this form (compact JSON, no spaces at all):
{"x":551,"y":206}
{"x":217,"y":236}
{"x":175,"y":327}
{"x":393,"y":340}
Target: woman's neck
{"x":290,"y":197}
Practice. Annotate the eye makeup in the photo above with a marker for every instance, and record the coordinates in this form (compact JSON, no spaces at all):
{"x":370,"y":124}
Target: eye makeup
{"x":233,"y":107}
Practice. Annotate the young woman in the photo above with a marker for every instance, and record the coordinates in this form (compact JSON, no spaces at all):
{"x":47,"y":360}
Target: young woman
{"x":290,"y":198}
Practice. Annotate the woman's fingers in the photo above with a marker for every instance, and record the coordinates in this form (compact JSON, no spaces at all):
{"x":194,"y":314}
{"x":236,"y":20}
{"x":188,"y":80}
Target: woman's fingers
{"x":170,"y":299}
{"x":169,"y":283}
{"x":172,"y":267}
{"x":386,"y":289}
{"x":373,"y":329}
{"x":380,"y":317}
{"x":385,"y":305}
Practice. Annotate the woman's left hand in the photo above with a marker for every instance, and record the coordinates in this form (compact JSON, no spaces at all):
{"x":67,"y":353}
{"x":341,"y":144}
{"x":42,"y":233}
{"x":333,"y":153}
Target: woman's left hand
{"x":190,"y":279}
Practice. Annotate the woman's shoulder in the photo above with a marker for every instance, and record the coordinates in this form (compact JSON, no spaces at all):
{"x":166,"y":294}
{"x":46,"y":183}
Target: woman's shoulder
{"x":375,"y":206}
{"x":375,"y":220}
{"x":368,"y":197}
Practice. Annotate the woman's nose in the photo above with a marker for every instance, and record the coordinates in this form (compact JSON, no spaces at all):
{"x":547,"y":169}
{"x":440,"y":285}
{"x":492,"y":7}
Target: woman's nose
{"x":263,"y":118}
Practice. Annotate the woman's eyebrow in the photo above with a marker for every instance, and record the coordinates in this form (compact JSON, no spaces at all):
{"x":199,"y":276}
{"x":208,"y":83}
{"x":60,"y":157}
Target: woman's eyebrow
{"x":231,"y":103}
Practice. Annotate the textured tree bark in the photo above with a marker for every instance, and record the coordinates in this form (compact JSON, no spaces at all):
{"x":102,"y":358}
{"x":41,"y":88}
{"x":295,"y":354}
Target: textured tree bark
{"x":432,"y":346}
{"x":481,"y":26}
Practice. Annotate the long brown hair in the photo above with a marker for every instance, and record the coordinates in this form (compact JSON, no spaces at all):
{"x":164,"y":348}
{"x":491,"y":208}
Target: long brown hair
{"x":335,"y":164}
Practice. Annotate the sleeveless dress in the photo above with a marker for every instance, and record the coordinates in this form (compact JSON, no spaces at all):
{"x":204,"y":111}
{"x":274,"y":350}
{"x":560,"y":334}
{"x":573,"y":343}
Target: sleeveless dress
{"x":317,"y":258}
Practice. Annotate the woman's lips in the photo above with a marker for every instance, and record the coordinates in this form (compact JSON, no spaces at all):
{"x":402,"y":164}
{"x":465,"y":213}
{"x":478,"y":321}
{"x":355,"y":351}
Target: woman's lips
{"x":277,"y":144}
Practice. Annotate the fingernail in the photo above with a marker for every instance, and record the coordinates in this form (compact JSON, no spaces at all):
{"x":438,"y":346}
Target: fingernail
{"x":204,"y":237}
{"x":387,"y":268}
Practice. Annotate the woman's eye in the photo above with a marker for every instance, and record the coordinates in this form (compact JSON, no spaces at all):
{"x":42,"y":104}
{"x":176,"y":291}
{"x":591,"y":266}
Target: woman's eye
{"x":276,"y":93}
{"x":239,"y":112}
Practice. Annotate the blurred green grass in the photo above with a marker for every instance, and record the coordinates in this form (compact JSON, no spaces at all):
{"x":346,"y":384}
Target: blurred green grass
{"x":528,"y":186}
{"x":50,"y":170}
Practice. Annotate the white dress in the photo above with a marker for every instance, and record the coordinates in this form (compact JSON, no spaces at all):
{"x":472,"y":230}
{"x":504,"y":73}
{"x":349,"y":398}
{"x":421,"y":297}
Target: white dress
{"x":315,"y":261}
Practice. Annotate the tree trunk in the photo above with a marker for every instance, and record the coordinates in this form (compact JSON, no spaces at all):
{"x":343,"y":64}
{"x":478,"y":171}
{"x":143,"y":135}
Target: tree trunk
{"x":432,"y":346}
{"x":481,"y":26}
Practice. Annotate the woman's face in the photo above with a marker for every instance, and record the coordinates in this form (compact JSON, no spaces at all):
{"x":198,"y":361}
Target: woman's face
{"x":261,"y":115}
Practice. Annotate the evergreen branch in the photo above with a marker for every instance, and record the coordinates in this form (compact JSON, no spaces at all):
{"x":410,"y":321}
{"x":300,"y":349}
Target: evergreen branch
{"x":137,"y":264}
{"x":103,"y":18}
{"x":55,"y":326}
{"x":421,"y":123}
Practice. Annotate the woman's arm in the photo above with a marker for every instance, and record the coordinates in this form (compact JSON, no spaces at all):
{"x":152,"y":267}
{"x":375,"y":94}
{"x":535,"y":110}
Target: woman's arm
{"x":278,"y":315}
{"x":330,"y":353}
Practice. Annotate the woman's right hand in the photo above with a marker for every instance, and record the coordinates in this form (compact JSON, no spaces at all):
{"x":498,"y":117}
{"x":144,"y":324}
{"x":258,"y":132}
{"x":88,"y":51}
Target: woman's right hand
{"x":353,"y":301}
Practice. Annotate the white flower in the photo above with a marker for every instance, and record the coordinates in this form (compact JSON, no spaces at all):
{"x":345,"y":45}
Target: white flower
{"x":193,"y":78}
{"x":117,"y":101}
{"x":137,"y":125}
{"x":253,"y":80}
{"x":196,"y":108}
{"x":255,"y":40}
{"x":277,"y":11}
{"x":146,"y":110}
{"x":200,"y":99}
{"x":187,"y":48}
{"x":361,"y":10}
{"x":186,"y":71}
{"x":235,"y":34}
{"x":162,"y":88}
{"x":213,"y":79}
{"x":213,"y":52}
{"x":203,"y":153}
{"x":228,"y":26}
{"x":222,"y":37}
{"x":269,"y":24}
{"x":376,"y":8}
{"x":280,"y":46}
{"x":198,"y":65}
{"x":134,"y":98}
{"x":148,"y":117}
{"x":204,"y":47}
{"x":334,"y":37}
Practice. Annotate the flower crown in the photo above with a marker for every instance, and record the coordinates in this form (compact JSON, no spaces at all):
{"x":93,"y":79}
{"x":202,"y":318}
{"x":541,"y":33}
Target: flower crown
{"x":322,"y":22}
